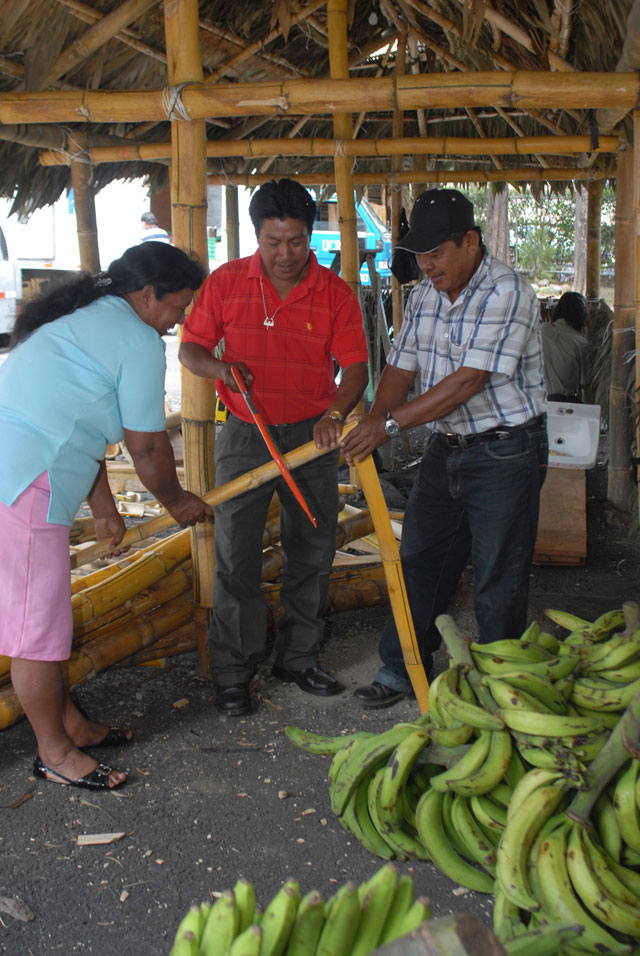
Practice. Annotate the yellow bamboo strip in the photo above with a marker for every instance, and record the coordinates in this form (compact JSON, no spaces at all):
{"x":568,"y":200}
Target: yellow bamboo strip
{"x":84,"y":196}
{"x":524,"y":175}
{"x":525,"y":89}
{"x":395,"y":580}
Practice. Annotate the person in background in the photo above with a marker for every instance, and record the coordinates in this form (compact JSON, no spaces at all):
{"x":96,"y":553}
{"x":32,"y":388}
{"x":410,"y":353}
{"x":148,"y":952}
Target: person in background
{"x":284,"y":319}
{"x":566,"y":352}
{"x":152,"y":232}
{"x":86,"y":369}
{"x":471,"y":333}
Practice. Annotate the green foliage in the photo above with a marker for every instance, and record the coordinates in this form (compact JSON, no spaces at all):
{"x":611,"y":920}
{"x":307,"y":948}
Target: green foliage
{"x":542,"y":228}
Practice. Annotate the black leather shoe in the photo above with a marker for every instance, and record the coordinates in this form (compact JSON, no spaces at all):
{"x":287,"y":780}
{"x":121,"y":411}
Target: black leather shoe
{"x":312,"y":680}
{"x":378,"y":695}
{"x":234,"y":700}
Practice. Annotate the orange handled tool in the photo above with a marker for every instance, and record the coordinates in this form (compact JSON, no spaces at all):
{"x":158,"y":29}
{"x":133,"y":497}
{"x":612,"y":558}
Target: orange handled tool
{"x":273,"y":451}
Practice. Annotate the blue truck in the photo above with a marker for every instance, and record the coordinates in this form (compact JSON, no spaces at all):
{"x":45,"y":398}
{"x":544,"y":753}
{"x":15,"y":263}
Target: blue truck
{"x":373,"y":235}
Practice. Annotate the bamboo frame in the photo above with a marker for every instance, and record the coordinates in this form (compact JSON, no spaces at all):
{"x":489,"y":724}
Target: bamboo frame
{"x":524,"y":89}
{"x":97,"y":35}
{"x":550,"y":174}
{"x":189,"y":222}
{"x":86,"y":222}
{"x":620,"y":488}
{"x":339,"y":67}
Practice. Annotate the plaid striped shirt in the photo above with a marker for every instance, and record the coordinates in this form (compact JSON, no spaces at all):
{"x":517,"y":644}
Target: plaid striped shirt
{"x":493,"y":325}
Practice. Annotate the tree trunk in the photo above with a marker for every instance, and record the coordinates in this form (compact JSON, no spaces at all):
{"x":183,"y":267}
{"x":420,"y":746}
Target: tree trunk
{"x":580,"y":241}
{"x":497,"y":228}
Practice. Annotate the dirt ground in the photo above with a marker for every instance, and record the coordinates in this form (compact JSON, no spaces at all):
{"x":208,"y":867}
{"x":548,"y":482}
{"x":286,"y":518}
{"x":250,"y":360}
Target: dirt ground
{"x":210,"y":799}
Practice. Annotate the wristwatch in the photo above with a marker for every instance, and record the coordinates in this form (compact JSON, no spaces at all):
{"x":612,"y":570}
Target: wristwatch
{"x":391,"y":426}
{"x":335,"y":415}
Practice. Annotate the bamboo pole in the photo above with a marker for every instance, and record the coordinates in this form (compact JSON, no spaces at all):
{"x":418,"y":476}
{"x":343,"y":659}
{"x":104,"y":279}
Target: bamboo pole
{"x":85,"y":207}
{"x":125,"y":35}
{"x":189,"y":223}
{"x":519,"y":175}
{"x":620,"y":479}
{"x":397,"y":127}
{"x":339,"y":68}
{"x":233,"y":223}
{"x":524,"y":89}
{"x":250,"y":479}
{"x":594,"y":209}
{"x":389,"y":553}
{"x":559,"y":145}
{"x":96,"y":36}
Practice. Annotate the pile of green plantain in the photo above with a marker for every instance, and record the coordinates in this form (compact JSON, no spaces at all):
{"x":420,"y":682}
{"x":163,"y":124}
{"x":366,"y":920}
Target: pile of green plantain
{"x":521,"y":780}
{"x":352,"y":922}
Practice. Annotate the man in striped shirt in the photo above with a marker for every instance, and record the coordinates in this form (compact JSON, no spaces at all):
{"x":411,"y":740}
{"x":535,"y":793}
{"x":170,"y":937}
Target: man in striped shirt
{"x":471,"y":332}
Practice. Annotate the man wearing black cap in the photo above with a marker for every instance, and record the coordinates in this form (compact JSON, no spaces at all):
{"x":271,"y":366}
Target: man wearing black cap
{"x":471,"y":331}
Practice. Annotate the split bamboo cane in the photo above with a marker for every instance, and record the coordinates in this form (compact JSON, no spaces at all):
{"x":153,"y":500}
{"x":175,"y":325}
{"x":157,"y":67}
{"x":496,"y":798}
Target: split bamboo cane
{"x":390,"y":555}
{"x":251,"y":479}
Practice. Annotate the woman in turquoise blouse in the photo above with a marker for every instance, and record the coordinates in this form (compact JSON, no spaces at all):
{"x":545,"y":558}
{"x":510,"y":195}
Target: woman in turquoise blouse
{"x":86,"y":370}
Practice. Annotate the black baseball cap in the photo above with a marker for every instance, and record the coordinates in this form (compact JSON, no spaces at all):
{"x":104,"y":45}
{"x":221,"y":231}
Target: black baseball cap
{"x":436,"y":215}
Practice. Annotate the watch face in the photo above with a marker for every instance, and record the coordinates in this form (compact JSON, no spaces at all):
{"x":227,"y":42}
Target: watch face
{"x":392,"y":427}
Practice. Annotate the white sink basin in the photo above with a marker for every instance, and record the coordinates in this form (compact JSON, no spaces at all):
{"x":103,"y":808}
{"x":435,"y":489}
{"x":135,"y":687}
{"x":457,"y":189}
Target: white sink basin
{"x":574,"y":434}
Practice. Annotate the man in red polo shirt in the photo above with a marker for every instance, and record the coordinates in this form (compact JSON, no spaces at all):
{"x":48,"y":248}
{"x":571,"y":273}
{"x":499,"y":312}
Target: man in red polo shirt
{"x":284,"y":319}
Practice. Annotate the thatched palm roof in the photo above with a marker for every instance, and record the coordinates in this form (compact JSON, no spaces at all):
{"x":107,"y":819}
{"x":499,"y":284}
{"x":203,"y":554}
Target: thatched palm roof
{"x":62,"y":45}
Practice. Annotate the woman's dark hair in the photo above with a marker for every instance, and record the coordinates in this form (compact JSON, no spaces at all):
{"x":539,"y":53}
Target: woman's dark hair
{"x":282,"y":199}
{"x":571,"y":307}
{"x":157,"y":264}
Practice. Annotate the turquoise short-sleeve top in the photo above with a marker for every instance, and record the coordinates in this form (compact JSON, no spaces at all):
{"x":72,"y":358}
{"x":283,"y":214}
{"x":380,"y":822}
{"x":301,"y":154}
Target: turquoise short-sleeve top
{"x":69,"y":390}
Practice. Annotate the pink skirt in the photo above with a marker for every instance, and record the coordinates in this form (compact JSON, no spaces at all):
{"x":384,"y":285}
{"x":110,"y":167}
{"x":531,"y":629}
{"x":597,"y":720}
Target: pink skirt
{"x":35,"y":583}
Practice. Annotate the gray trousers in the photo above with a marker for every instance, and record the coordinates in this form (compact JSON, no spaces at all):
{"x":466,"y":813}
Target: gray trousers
{"x":237,"y":636}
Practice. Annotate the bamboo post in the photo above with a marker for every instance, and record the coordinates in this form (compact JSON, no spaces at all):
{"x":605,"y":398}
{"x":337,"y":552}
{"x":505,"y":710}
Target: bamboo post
{"x":370,"y":484}
{"x":397,"y":124}
{"x":233,"y":224}
{"x":84,"y":199}
{"x":594,"y":206}
{"x":339,"y":67}
{"x":620,"y":483}
{"x":189,"y":224}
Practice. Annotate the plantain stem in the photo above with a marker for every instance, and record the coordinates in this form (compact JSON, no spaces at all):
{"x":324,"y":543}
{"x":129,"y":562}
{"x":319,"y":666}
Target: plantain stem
{"x":456,"y":643}
{"x":623,"y":742}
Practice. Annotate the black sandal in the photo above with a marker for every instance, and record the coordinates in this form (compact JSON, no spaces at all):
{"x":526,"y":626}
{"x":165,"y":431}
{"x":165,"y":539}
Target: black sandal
{"x":98,"y":779}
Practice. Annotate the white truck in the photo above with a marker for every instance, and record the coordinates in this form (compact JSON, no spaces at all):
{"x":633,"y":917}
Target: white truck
{"x":33,"y":252}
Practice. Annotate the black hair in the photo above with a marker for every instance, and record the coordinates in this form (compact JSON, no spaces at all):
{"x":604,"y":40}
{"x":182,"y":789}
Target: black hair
{"x":158,"y":264}
{"x":282,"y":199}
{"x":571,"y":307}
{"x":149,"y":218}
{"x":457,"y":237}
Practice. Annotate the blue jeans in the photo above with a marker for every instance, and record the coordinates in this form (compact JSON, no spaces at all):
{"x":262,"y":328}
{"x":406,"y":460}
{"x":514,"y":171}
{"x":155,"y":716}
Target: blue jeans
{"x":481,"y":501}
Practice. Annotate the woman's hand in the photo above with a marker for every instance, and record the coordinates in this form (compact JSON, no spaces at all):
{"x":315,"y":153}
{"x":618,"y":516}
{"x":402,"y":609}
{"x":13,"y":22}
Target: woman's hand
{"x":189,"y":509}
{"x":112,"y":528}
